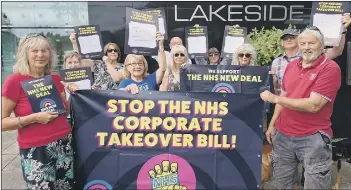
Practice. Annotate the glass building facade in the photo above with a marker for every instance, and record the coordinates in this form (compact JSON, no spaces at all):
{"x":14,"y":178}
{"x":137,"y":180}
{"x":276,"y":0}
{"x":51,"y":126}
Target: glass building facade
{"x":56,"y":21}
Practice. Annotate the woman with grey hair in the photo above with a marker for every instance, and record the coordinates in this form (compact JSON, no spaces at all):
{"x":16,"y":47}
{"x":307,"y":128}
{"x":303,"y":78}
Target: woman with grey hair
{"x":44,"y":138}
{"x":245,"y":55}
{"x":72,"y":60}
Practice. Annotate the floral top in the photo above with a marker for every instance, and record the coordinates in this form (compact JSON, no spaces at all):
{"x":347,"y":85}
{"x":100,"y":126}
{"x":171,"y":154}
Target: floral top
{"x":102,"y":78}
{"x":173,"y":84}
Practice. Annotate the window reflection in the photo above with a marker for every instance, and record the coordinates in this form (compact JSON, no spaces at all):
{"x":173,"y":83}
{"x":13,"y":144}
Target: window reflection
{"x":10,"y":38}
{"x":46,"y":14}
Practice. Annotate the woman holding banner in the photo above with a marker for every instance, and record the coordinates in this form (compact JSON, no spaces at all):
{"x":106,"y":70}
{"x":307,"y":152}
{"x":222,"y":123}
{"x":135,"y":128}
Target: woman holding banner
{"x":135,"y":71}
{"x":108,"y":72}
{"x":44,"y":138}
{"x":171,"y":80}
{"x":245,"y":55}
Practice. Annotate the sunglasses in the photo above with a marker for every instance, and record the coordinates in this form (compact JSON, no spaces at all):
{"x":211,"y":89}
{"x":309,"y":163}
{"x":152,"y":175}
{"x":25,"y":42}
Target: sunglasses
{"x":31,"y":35}
{"x":179,"y":54}
{"x":213,"y":54}
{"x":286,"y":37}
{"x":241,"y":55}
{"x":112,"y":50}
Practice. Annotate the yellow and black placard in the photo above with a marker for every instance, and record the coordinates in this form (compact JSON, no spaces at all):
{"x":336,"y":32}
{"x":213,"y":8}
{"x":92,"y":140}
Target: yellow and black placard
{"x":196,"y":41}
{"x":162,"y":22}
{"x":43,"y":95}
{"x":140,"y":32}
{"x":232,"y":38}
{"x":89,"y":41}
{"x":76,"y":74}
{"x":330,"y":7}
{"x":224,"y":79}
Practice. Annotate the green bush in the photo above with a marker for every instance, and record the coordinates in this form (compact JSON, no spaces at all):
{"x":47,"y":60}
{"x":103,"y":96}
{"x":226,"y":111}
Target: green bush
{"x":267,"y":43}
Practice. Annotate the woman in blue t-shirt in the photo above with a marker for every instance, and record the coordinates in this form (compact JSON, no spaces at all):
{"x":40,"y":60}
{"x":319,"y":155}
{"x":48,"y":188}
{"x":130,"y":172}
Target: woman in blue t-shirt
{"x":135,"y":71}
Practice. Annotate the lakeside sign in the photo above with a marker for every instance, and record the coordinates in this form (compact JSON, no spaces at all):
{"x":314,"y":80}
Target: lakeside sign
{"x":249,"y":13}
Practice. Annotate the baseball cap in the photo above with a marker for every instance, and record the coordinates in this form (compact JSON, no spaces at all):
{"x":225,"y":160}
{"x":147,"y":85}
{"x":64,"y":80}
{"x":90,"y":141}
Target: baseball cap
{"x":290,"y":31}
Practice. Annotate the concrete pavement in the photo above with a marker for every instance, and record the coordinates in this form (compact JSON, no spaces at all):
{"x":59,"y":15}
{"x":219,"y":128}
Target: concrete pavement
{"x":12,"y":174}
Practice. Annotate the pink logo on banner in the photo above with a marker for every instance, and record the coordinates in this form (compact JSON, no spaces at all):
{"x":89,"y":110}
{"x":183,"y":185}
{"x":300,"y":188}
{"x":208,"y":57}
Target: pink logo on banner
{"x":166,"y":171}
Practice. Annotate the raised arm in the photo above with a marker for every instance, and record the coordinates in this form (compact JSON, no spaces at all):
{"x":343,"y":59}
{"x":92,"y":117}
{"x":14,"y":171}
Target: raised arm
{"x":164,"y":84}
{"x":334,"y":52}
{"x":73,"y":39}
{"x":161,"y":58}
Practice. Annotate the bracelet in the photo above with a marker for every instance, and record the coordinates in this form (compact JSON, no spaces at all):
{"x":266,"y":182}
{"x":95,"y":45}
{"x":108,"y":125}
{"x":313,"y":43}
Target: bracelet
{"x":344,"y":32}
{"x":19,"y":122}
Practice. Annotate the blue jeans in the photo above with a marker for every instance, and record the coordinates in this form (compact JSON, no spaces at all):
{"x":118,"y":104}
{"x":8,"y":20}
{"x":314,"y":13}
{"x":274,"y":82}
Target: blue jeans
{"x":312,"y":151}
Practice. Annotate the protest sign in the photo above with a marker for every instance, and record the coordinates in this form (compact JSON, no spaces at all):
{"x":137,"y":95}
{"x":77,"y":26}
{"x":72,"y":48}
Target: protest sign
{"x":233,"y":37}
{"x":170,"y":140}
{"x":327,"y":17}
{"x":43,"y":95}
{"x":162,"y":24}
{"x":140,"y":32}
{"x":89,"y":41}
{"x":82,"y":77}
{"x":224,"y":78}
{"x":196,"y":41}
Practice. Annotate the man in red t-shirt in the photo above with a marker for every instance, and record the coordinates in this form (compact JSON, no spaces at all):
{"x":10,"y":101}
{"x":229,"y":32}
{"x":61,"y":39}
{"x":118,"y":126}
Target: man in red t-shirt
{"x":302,"y":130}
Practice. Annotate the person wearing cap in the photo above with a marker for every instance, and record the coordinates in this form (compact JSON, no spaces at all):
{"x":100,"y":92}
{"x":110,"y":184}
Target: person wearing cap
{"x":291,"y":53}
{"x":300,"y":130}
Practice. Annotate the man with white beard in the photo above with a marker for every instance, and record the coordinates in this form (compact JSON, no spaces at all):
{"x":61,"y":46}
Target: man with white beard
{"x":302,"y":131}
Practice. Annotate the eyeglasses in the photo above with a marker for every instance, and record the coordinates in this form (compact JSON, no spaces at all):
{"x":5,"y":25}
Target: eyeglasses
{"x":241,"y":55}
{"x":135,"y":64}
{"x":213,"y":54}
{"x":286,"y":37}
{"x":179,"y":54}
{"x":112,"y":50}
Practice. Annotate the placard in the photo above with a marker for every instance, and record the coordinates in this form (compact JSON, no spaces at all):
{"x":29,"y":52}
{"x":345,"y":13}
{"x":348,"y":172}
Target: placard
{"x":162,"y":22}
{"x":43,"y":96}
{"x":224,"y":79}
{"x":82,"y":77}
{"x":233,"y":37}
{"x":89,"y":41}
{"x":196,"y":41}
{"x":327,"y":17}
{"x":140,"y":32}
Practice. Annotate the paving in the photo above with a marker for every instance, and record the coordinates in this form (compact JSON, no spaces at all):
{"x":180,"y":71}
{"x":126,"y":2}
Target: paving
{"x":12,"y":174}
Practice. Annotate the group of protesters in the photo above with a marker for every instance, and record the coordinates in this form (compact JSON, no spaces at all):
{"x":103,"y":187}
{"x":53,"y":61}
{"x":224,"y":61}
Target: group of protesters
{"x":306,"y":81}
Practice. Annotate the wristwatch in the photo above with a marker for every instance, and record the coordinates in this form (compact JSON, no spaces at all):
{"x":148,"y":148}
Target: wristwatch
{"x":344,"y":32}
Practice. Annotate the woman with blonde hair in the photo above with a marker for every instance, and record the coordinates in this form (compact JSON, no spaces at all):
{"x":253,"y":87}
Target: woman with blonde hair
{"x":107,"y":72}
{"x":135,"y":71}
{"x":44,"y":138}
{"x":245,"y":55}
{"x":171,"y":80}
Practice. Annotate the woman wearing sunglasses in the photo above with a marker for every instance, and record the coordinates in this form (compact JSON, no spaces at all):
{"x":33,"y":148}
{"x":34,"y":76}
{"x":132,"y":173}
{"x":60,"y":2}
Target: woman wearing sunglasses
{"x":245,"y":55}
{"x":108,"y":72}
{"x":171,"y":80}
{"x":44,"y":138}
{"x":136,"y":71}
